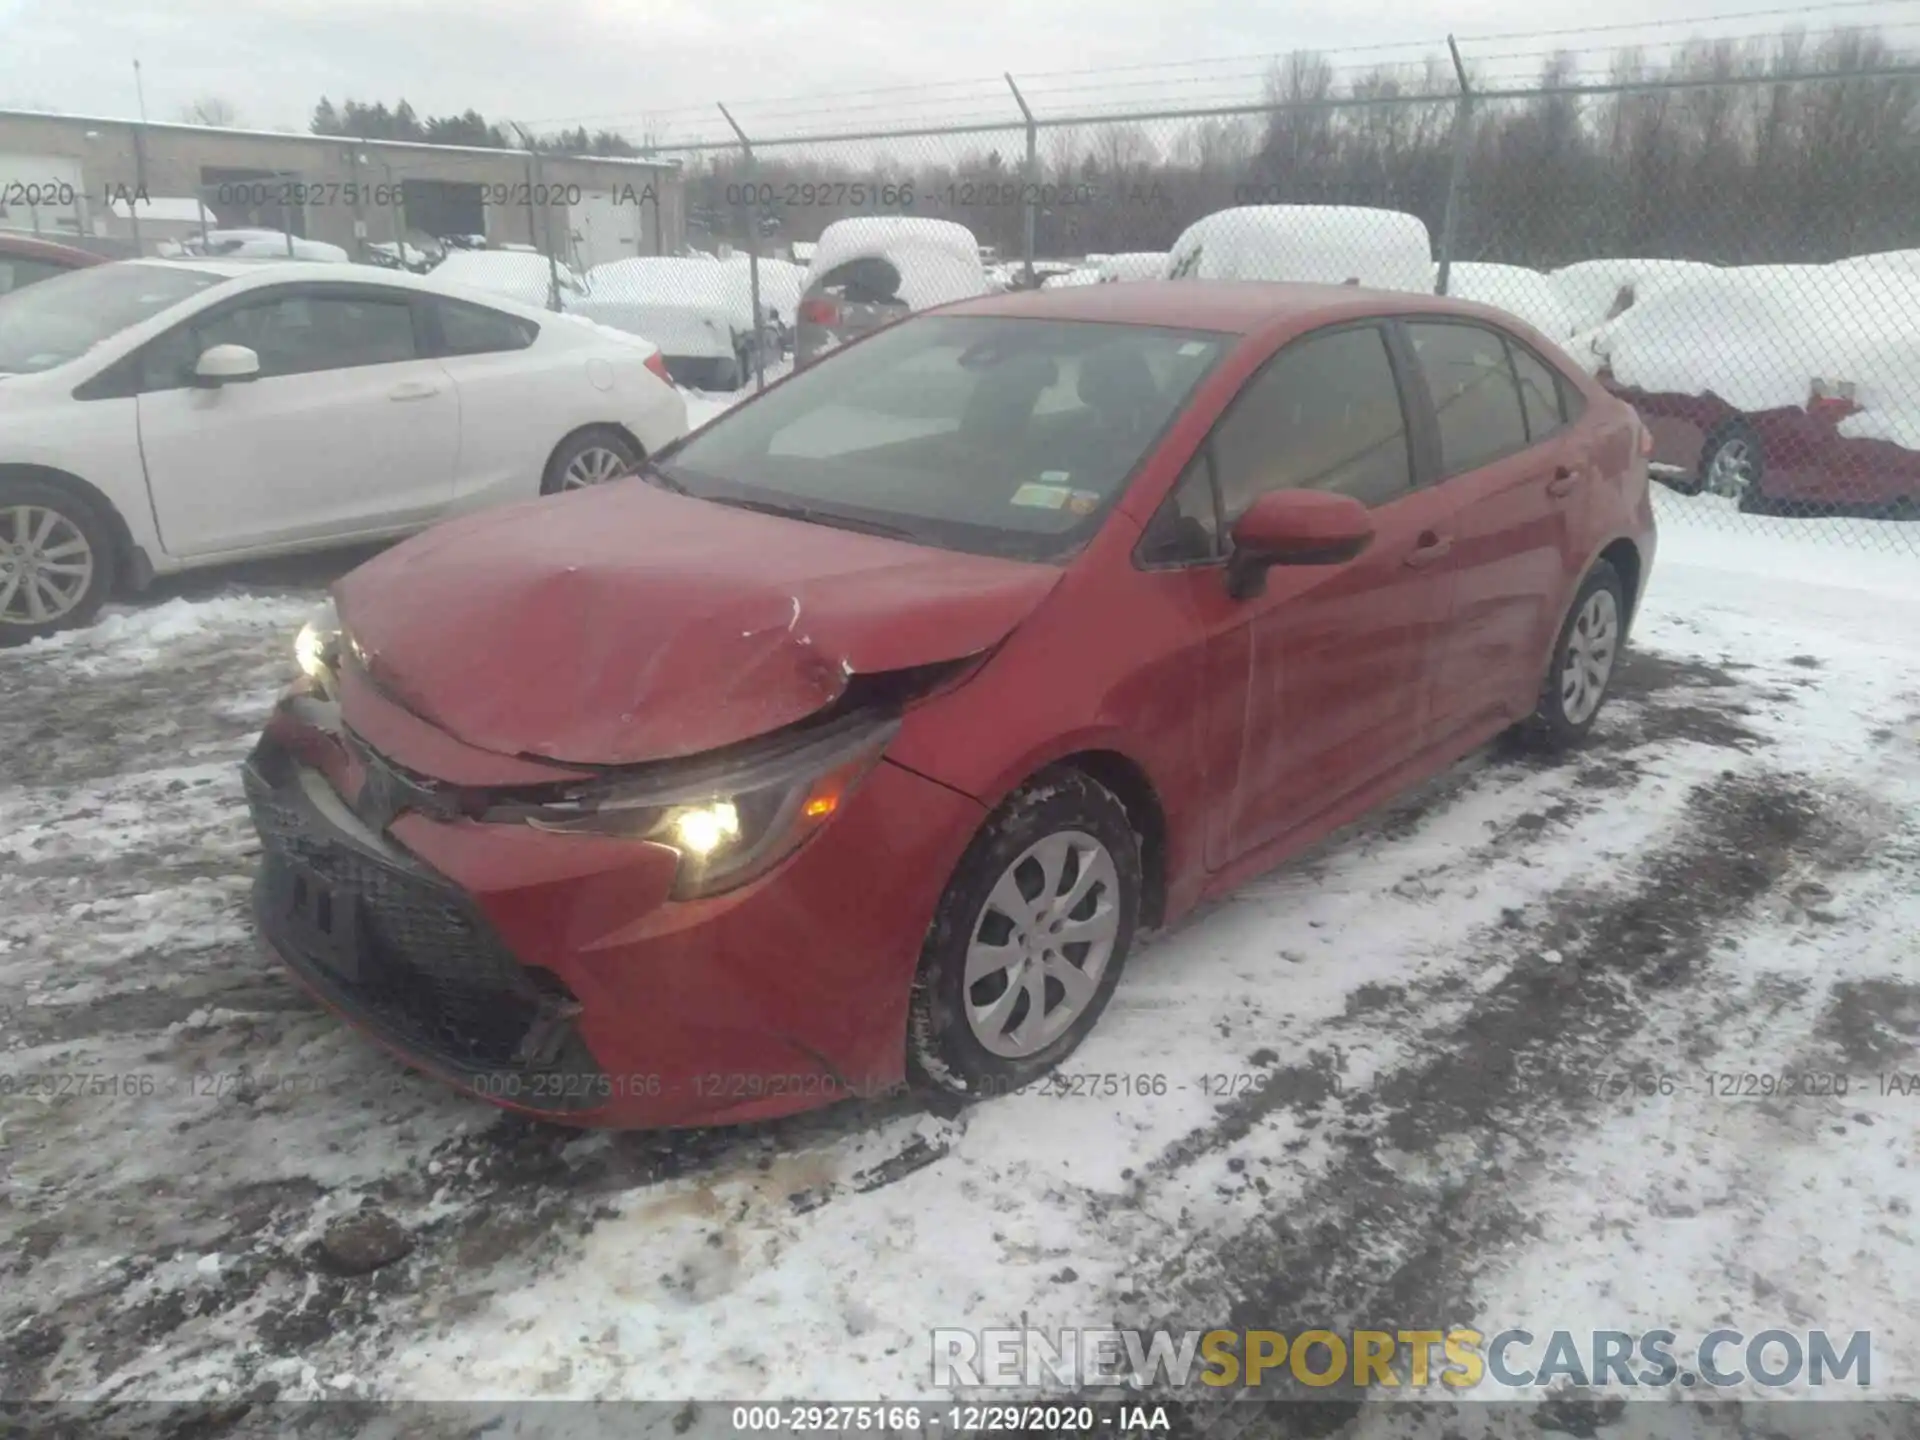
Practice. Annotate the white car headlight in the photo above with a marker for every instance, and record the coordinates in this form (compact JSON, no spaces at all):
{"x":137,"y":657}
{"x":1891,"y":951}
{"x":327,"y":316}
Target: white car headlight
{"x":316,"y":649}
{"x":728,"y":820}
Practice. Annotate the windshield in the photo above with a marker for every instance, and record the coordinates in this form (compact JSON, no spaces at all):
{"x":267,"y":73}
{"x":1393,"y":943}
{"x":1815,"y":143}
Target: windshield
{"x":998,"y":436}
{"x":61,"y":319}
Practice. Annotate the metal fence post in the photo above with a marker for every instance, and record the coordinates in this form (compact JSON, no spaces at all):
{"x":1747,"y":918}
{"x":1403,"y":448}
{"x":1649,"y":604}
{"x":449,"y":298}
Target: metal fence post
{"x":139,"y":185}
{"x":1032,"y":186}
{"x":537,"y":197}
{"x":399,"y":212}
{"x":1462,"y":138}
{"x":753,"y":251}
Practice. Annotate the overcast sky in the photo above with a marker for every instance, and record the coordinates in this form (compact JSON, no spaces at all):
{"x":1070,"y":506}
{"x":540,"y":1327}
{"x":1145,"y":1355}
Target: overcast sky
{"x":662,"y":63}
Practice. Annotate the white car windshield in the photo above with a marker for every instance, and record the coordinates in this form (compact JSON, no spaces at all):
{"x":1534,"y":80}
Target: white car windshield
{"x":999,"y":436}
{"x":58,"y":320}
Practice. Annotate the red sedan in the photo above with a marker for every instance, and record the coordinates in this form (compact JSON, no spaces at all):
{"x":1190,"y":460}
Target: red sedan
{"x":24,"y":259}
{"x":853,"y":741}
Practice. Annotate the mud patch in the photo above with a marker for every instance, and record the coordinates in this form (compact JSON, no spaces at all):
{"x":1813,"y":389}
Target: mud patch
{"x":1873,"y":1024}
{"x":1423,"y":1180}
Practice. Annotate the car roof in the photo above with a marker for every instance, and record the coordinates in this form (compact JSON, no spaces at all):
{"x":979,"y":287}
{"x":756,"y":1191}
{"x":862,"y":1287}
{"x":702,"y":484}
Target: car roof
{"x":29,"y":247}
{"x":1235,"y":307}
{"x":333,"y":272}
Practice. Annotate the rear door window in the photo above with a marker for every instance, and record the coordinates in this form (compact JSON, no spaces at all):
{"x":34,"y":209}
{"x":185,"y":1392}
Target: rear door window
{"x":1539,"y":394}
{"x":1476,"y":399}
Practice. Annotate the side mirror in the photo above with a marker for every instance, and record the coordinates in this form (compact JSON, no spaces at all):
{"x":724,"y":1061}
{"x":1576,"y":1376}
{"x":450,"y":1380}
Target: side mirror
{"x":225,"y":365}
{"x":1294,"y":527}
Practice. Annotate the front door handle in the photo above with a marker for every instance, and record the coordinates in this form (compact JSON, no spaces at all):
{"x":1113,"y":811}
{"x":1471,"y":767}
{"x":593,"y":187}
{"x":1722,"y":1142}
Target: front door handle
{"x":414,"y":390}
{"x":1563,"y":481}
{"x":1431,"y":546}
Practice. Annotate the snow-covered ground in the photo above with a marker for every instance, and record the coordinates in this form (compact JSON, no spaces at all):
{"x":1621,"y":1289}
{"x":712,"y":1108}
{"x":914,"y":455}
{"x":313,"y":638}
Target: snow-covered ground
{"x":1425,"y":1012}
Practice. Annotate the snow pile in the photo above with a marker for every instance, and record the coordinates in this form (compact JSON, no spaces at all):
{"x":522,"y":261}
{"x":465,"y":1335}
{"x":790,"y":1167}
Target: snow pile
{"x":1132,"y":265}
{"x":522,"y":275}
{"x":1324,"y":244}
{"x":937,"y":260}
{"x":263,"y":245}
{"x":690,"y":308}
{"x":1591,"y":288}
{"x":781,"y":282}
{"x":1519,"y":291}
{"x":1758,"y":337}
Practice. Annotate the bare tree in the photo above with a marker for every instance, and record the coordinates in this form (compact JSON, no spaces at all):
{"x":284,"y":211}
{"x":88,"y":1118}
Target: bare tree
{"x":210,"y":110}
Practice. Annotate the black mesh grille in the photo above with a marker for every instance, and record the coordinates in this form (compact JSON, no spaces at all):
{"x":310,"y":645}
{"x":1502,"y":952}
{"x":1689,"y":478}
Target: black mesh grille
{"x":430,"y":972}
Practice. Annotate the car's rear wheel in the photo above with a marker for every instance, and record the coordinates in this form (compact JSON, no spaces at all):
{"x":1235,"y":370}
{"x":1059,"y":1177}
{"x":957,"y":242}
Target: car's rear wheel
{"x":1028,"y":942}
{"x":1584,"y":658}
{"x":56,"y":560}
{"x":592,"y":457}
{"x":1734,"y":465}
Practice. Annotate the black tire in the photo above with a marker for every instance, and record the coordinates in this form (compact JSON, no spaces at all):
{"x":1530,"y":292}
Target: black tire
{"x":84,"y":518}
{"x":943,"y":1054}
{"x":581,"y":442}
{"x":1551,"y":724}
{"x":1752,"y":499}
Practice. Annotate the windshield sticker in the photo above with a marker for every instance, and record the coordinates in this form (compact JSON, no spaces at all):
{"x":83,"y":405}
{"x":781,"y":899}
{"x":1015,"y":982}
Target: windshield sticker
{"x":1083,"y":502}
{"x":1041,"y":497}
{"x":1055,"y":477}
{"x":1194,"y":347}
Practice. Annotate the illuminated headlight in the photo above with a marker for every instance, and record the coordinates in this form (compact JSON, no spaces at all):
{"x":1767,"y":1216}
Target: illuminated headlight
{"x":729,"y":821}
{"x":316,"y":649}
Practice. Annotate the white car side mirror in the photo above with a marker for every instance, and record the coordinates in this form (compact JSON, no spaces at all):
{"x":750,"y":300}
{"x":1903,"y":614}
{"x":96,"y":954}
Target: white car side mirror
{"x":224,"y":365}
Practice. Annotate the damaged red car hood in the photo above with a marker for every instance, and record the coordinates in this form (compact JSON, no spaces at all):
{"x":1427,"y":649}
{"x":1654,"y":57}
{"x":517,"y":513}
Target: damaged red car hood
{"x":625,"y":624}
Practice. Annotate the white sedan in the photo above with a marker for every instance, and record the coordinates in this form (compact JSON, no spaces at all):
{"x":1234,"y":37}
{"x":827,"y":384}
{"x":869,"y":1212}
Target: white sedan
{"x":161,"y":415}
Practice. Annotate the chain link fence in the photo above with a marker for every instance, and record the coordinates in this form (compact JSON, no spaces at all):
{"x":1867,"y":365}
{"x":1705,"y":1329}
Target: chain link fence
{"x":1736,"y":254}
{"x":1728,"y":240}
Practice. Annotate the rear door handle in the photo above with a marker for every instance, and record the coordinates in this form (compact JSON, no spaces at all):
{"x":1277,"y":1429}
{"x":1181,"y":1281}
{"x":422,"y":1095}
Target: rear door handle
{"x":1563,"y":481}
{"x":414,"y":390}
{"x":1431,"y":546}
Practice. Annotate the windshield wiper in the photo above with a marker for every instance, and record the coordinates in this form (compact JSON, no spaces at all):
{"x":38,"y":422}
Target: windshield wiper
{"x":817,"y":517}
{"x":653,"y":471}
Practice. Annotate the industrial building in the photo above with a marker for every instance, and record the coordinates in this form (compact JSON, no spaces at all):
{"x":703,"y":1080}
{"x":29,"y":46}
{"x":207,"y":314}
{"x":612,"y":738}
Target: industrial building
{"x":126,"y":187}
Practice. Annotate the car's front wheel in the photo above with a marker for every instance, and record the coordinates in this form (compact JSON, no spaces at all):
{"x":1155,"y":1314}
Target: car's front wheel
{"x":56,"y":560}
{"x":591,"y":457}
{"x":1734,"y":465}
{"x":1029,"y":940}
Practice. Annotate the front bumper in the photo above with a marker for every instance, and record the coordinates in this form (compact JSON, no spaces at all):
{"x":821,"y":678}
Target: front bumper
{"x":402,"y":952}
{"x":553,"y":975}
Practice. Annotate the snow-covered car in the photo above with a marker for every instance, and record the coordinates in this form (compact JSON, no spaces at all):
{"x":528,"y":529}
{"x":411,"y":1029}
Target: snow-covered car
{"x":1321,"y":244}
{"x":1529,"y":294}
{"x":698,"y":312}
{"x":1777,"y":385}
{"x":160,"y":415}
{"x":519,"y":274}
{"x":874,"y":269}
{"x":1131,"y":265}
{"x":1597,"y":291}
{"x":1079,"y":275}
{"x":262,"y":245}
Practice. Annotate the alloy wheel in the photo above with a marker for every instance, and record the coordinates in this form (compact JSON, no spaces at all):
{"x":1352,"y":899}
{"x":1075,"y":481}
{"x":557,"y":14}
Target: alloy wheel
{"x":594,"y":465}
{"x":1591,"y":650}
{"x":1731,"y":471}
{"x":46,"y":565}
{"x":1040,"y":944}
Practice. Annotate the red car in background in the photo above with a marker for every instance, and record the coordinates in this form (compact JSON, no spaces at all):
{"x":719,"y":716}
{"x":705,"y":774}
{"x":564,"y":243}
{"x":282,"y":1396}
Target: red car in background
{"x":1788,"y":388}
{"x":853,"y":741}
{"x":24,"y":260}
{"x":1793,"y":459}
